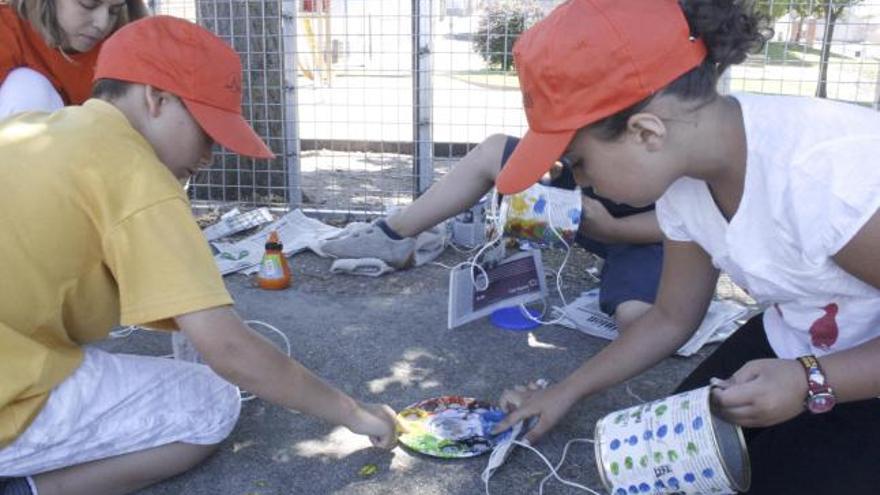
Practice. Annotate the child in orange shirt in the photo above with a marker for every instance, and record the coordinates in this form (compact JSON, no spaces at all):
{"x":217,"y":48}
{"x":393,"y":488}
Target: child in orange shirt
{"x":48,"y":49}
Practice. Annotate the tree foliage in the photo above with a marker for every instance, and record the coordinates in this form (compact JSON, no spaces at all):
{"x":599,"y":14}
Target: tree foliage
{"x":501,"y":24}
{"x":827,"y":11}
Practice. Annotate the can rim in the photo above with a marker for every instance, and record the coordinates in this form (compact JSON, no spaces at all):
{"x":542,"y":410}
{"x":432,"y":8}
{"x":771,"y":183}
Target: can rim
{"x":743,"y":450}
{"x":597,"y":446}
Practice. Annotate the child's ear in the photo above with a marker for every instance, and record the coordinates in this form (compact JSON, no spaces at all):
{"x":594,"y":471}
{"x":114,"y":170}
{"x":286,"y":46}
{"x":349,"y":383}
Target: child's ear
{"x":154,"y":99}
{"x":647,"y":130}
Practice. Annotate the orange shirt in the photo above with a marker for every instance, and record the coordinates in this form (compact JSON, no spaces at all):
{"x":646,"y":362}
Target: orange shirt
{"x":22,"y":46}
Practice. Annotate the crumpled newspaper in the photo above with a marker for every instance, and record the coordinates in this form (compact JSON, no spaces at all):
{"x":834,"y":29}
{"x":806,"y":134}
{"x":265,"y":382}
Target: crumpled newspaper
{"x":584,"y":314}
{"x":296,"y":231}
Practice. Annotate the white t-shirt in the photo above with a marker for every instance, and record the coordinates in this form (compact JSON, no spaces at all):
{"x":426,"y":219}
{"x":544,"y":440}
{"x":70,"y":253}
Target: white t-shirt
{"x":812,"y":182}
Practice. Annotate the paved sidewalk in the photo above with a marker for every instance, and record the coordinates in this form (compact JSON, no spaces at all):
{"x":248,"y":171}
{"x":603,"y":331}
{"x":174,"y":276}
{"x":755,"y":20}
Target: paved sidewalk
{"x":386,"y":340}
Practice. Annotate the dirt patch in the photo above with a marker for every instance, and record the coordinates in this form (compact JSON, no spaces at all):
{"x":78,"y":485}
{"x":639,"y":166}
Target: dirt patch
{"x":359,"y":181}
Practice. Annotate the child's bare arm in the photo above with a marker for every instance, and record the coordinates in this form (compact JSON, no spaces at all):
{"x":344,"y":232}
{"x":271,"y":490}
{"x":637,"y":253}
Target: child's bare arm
{"x":861,"y":255}
{"x":598,"y":224}
{"x":686,"y":287}
{"x":769,"y":391}
{"x":855,"y":373}
{"x":248,"y":360}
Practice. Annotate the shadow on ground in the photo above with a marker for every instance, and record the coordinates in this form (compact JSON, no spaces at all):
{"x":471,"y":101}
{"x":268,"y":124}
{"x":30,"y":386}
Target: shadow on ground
{"x":385,"y":340}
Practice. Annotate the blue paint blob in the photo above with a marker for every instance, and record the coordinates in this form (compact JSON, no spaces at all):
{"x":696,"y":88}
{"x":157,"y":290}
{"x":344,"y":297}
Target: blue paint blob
{"x":648,"y":435}
{"x":644,"y":488}
{"x":673,"y":483}
{"x":540,"y":204}
{"x":679,"y":429}
{"x":661,"y":432}
{"x":633,"y":489}
{"x":689,"y":477}
{"x":620,"y":491}
{"x":708,"y":473}
{"x":615,"y":444}
{"x":659,"y":485}
{"x":632,"y":440}
{"x":575,"y":216}
{"x":698,"y":422}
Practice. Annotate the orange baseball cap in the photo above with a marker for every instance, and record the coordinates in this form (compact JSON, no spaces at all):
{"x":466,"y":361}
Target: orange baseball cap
{"x":588,"y":60}
{"x":180,"y":57}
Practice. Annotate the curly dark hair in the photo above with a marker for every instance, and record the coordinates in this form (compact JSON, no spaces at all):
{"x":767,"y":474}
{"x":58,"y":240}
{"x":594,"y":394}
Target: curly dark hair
{"x":731,"y":29}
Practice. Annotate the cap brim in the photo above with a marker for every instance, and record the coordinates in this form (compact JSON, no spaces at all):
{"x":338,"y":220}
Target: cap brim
{"x":229,"y":129}
{"x":532,"y":158}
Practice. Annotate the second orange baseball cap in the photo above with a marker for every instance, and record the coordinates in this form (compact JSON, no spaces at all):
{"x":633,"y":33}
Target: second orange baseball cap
{"x":588,"y":60}
{"x":180,"y":57}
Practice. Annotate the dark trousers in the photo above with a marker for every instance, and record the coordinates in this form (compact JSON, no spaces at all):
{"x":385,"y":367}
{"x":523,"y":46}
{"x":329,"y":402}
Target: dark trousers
{"x":823,"y":454}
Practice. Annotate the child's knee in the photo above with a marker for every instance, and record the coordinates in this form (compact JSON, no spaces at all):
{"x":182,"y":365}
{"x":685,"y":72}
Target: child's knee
{"x":197,"y":454}
{"x":629,"y":311}
{"x":27,"y":90}
{"x":489,"y":154}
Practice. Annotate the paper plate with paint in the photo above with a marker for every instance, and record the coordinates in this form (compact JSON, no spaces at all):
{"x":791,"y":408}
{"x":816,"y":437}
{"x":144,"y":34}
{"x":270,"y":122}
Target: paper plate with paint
{"x":451,"y":427}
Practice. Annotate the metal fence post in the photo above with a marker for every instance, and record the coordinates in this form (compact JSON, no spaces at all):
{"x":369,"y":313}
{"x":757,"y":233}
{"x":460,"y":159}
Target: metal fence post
{"x":291,"y":117}
{"x":423,"y":149}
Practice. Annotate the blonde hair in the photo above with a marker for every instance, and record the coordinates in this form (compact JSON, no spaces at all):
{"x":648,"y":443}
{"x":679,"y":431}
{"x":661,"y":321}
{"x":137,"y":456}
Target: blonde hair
{"x":42,"y":16}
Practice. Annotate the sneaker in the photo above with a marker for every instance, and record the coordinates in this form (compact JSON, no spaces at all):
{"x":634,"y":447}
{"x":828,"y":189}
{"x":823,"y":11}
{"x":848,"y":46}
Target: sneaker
{"x":429,"y":244}
{"x":366,"y":240}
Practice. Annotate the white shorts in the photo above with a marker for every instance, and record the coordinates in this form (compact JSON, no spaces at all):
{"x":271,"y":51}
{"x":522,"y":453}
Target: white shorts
{"x":26,"y":90}
{"x":118,"y":403}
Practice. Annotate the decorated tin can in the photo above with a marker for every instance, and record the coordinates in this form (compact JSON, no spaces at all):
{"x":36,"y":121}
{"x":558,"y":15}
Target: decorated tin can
{"x":673,"y":445}
{"x":534,"y":214}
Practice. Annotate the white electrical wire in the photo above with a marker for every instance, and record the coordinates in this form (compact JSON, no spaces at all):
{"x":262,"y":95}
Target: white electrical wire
{"x":554,"y":470}
{"x":123,"y":332}
{"x":127,"y":331}
{"x":465,"y":250}
{"x":497,"y":220}
{"x":472,"y":261}
{"x":634,"y":395}
{"x":246,"y":396}
{"x":565,"y":243}
{"x":437,"y":263}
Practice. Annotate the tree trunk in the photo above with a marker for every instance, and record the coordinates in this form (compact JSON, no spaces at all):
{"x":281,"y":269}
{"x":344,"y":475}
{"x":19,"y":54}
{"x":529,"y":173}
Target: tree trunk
{"x":253,"y":29}
{"x":796,"y":30}
{"x":824,"y":58}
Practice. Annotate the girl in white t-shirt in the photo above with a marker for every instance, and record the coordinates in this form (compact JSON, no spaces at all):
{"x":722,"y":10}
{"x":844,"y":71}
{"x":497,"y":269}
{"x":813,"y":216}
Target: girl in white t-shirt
{"x":780,"y":192}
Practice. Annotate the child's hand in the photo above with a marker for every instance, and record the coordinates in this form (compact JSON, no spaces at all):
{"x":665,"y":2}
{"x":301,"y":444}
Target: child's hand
{"x":549,"y":405}
{"x":762,"y":393}
{"x":378,"y":422}
{"x":513,"y":398}
{"x":596,"y":222}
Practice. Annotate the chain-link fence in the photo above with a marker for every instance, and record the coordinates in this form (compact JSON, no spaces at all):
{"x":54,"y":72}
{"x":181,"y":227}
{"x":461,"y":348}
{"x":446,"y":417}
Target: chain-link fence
{"x":366,"y":102}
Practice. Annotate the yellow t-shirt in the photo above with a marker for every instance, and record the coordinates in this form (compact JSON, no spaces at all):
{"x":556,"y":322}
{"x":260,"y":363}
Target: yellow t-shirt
{"x":96,"y":232}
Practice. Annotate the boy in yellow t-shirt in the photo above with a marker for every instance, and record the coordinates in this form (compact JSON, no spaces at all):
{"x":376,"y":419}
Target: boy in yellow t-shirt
{"x":98,"y":233}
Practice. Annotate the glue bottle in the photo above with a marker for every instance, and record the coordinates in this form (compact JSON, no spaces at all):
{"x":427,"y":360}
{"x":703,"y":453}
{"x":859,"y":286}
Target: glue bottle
{"x":274,"y":271}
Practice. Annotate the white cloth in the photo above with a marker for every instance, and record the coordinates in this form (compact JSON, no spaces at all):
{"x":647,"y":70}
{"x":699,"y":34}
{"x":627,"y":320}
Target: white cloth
{"x":26,"y":90}
{"x":812,"y":182}
{"x":372,"y":267}
{"x":116,"y":404}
